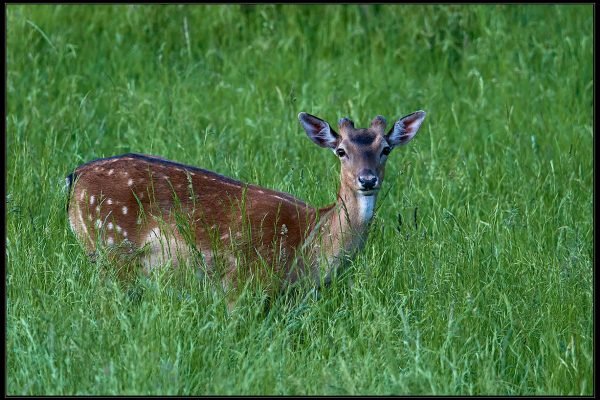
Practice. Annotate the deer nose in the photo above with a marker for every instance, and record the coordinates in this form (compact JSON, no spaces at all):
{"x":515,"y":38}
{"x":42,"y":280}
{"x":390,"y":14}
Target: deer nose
{"x":368,"y":180}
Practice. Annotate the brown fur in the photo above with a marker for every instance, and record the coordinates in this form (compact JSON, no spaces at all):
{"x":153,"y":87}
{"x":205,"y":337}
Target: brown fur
{"x":155,"y":191}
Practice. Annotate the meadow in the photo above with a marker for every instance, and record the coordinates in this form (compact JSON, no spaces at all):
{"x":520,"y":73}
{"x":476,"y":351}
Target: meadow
{"x":477,"y":275}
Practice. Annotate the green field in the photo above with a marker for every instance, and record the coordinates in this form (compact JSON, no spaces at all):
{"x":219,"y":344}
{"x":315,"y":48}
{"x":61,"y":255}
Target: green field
{"x":477,"y":275}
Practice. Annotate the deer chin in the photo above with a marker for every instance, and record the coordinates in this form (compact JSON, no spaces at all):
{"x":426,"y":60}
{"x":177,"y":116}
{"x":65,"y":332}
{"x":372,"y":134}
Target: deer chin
{"x":367,"y":193}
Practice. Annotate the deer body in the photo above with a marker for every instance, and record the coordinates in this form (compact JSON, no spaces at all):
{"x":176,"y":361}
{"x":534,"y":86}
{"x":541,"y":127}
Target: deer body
{"x":162,"y":212}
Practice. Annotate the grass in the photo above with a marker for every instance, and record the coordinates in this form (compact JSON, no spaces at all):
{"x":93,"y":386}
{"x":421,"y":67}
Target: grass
{"x":477,"y":276}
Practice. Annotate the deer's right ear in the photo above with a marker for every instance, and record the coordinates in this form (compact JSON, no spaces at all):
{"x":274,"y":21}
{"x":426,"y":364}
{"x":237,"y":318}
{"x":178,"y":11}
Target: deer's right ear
{"x":319,"y":131}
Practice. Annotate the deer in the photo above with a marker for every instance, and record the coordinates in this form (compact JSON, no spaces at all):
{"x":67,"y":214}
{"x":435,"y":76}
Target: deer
{"x":158,"y":212}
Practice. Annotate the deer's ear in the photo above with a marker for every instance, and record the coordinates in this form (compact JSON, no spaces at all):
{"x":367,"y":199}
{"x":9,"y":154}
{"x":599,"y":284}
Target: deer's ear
{"x":319,"y":131}
{"x":405,"y":129}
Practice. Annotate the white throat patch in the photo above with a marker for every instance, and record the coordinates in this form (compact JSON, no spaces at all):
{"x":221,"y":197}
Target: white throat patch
{"x":366,"y":206}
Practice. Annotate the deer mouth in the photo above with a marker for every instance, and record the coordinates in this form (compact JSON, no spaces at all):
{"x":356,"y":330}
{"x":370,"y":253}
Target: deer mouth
{"x":368,"y":192}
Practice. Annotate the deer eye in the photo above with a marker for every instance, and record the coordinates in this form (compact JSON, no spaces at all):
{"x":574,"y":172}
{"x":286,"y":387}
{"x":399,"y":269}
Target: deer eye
{"x":340,"y":152}
{"x":386,"y":151}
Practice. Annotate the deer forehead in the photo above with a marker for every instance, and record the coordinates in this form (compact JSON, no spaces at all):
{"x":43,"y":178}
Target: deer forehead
{"x":362,"y":140}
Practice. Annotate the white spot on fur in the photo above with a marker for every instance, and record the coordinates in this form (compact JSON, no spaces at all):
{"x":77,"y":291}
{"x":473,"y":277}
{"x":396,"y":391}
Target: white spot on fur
{"x":110,"y":226}
{"x":118,"y":228}
{"x":83,"y":226}
{"x":98,"y":224}
{"x":124,"y":210}
{"x":112,"y":171}
{"x":130,"y":182}
{"x":225,"y":236}
{"x":92,"y":199}
{"x":125,"y":233}
{"x":109,"y":201}
{"x":366,"y":205}
{"x":97,"y":209}
{"x":82,"y":196}
{"x":110,"y":241}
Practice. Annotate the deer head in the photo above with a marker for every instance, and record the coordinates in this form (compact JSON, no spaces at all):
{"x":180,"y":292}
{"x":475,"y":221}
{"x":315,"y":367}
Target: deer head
{"x":363,"y":152}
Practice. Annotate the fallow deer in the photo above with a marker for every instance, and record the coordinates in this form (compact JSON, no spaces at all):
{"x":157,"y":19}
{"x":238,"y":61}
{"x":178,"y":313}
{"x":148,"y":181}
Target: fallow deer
{"x":161,"y":212}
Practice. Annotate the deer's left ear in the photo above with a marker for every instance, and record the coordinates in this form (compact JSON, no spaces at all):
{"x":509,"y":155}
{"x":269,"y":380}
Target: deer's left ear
{"x":405,"y":129}
{"x":319,"y":131}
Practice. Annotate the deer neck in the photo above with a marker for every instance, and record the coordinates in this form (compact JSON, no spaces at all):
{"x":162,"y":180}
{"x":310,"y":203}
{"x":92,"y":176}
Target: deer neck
{"x":342,"y":228}
{"x":352,"y":215}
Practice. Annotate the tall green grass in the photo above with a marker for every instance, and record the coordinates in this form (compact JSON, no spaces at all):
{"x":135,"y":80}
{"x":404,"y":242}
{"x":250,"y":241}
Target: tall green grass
{"x":477,"y":276}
